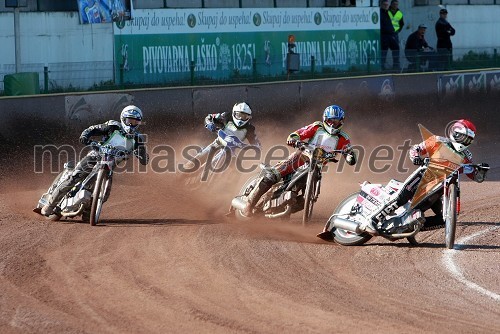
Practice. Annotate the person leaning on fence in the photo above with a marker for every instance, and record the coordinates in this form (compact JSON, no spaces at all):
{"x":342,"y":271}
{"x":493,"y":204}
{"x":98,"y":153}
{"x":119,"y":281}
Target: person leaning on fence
{"x":444,"y":31}
{"x":417,"y":50}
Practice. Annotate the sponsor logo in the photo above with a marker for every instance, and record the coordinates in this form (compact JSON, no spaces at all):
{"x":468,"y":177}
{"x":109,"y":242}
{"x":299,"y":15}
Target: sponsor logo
{"x":374,"y":191}
{"x":388,"y":210}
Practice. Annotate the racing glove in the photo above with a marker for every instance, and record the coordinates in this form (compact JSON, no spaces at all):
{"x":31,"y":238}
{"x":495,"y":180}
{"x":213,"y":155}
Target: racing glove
{"x":211,"y":127}
{"x":84,"y":140}
{"x":291,"y":142}
{"x":481,"y":171}
{"x":418,"y":161}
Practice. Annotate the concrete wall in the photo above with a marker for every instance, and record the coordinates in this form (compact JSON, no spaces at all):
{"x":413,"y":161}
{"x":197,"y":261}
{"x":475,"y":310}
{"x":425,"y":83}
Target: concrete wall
{"x":382,"y":99}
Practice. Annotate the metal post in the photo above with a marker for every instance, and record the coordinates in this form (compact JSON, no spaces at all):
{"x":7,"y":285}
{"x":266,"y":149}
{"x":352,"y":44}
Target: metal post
{"x":46,"y":79}
{"x":17,"y":38}
{"x":191,"y":68}
{"x":313,"y":66}
{"x":254,"y":68}
{"x":122,"y":70}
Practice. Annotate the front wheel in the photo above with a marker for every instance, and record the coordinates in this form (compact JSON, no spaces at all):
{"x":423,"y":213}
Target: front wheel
{"x":451,"y":216}
{"x":309,"y":197}
{"x":345,"y":237}
{"x":98,"y":196}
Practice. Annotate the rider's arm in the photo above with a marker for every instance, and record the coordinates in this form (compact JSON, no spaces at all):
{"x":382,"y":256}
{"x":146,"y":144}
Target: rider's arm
{"x":304,"y":133}
{"x":219,"y":119}
{"x":94,"y":130}
{"x":252,"y":136}
{"x":476,"y":174}
{"x":344,"y":144}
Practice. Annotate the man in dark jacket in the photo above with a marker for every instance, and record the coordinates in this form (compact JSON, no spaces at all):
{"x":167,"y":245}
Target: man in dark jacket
{"x":417,"y":50}
{"x":444,"y":31}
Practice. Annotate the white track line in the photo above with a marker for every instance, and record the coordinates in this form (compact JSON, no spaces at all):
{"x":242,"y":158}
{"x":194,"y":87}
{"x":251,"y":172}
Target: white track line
{"x":450,"y":265}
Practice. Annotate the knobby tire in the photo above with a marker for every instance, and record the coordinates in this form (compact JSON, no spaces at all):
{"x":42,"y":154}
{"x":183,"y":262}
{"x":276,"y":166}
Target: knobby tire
{"x":98,"y":196}
{"x":451,"y":216}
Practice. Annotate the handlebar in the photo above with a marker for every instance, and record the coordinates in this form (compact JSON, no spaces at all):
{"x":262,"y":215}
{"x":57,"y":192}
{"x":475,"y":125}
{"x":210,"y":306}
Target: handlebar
{"x":326,"y":155}
{"x":111,"y":150}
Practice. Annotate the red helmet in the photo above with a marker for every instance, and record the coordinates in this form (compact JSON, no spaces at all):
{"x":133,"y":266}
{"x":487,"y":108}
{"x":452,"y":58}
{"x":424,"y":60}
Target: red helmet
{"x":461,"y":134}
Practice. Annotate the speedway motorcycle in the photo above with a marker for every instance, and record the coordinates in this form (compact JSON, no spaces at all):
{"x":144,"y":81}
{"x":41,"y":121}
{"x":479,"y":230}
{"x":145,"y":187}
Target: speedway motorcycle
{"x":295,"y":192}
{"x":87,"y":197}
{"x":218,"y":160}
{"x":349,"y":222}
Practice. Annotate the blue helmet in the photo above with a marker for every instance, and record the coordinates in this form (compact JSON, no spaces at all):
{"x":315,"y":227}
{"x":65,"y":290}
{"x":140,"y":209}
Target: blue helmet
{"x":333,"y":119}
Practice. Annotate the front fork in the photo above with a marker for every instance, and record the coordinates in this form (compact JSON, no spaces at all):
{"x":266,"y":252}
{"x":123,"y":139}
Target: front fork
{"x":447,"y":182}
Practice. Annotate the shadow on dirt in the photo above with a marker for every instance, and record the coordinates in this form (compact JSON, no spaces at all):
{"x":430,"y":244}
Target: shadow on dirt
{"x":139,"y":222}
{"x":155,"y":222}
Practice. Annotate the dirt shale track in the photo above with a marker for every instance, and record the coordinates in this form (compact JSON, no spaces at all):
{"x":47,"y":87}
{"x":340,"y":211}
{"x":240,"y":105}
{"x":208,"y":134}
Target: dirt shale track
{"x":164,"y":261}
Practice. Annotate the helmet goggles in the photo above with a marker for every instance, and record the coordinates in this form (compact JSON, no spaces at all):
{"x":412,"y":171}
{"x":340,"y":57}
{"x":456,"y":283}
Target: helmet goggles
{"x":131,"y":121}
{"x":241,"y":116}
{"x":334,"y":122}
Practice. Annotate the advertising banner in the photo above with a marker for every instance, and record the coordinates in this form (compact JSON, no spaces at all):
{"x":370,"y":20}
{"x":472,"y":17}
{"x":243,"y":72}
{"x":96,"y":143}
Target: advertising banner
{"x":104,"y":11}
{"x":164,"y":45}
{"x":453,"y":85}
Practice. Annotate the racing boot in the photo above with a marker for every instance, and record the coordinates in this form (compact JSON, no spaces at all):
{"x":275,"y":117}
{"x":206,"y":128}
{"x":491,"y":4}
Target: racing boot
{"x":262,"y":187}
{"x":47,"y":210}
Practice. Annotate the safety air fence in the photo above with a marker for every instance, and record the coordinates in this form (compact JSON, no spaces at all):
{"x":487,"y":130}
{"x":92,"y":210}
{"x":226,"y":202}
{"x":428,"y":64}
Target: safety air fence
{"x":44,"y":117}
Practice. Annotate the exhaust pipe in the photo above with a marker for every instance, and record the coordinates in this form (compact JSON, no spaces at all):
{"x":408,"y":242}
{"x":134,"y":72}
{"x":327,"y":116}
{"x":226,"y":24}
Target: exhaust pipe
{"x":238,"y":203}
{"x":346,"y":224}
{"x":352,"y":226}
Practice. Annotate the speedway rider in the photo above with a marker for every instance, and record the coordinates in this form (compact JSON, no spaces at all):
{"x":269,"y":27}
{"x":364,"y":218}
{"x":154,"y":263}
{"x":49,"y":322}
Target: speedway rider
{"x":460,"y":135}
{"x":130,"y":119}
{"x":326,"y":134}
{"x":236,"y":123}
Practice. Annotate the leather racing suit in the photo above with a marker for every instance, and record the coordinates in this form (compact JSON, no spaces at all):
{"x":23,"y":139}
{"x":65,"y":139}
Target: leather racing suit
{"x":225,"y":122}
{"x":85,"y":166}
{"x":315,"y":134}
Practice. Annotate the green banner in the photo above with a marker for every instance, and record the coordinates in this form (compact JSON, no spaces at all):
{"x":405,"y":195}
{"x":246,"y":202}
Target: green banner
{"x":146,"y":55}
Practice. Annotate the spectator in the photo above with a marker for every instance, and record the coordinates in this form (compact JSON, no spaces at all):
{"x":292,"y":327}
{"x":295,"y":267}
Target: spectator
{"x":444,"y":31}
{"x":397,"y":22}
{"x":388,"y":36}
{"x":417,"y":50}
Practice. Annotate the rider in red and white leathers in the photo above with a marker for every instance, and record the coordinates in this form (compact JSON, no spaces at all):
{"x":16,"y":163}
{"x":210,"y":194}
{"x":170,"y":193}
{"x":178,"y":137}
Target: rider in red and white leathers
{"x":326,"y":134}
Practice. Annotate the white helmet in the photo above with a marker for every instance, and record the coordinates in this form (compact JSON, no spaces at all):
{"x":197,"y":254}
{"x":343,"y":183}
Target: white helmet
{"x":241,"y":114}
{"x":131,"y":118}
{"x":461,"y":134}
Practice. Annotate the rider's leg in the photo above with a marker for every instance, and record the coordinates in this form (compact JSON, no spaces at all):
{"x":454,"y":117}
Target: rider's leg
{"x":436,"y":220}
{"x":277,"y":172}
{"x":260,"y":189}
{"x":82,"y":169}
{"x":399,"y":199}
{"x":190,"y":165}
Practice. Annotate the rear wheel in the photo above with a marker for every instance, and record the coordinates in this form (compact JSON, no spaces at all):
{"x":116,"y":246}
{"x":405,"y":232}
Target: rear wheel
{"x":451,"y":216}
{"x":98,"y":196}
{"x":345,"y":237}
{"x":309,"y":197}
